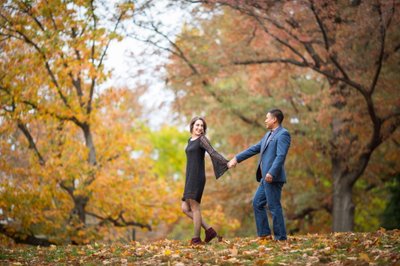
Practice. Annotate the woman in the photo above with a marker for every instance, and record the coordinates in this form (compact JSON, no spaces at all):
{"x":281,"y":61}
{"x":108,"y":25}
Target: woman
{"x":195,"y":177}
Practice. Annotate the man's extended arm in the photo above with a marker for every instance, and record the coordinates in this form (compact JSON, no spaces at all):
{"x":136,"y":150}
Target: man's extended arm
{"x":253,"y":150}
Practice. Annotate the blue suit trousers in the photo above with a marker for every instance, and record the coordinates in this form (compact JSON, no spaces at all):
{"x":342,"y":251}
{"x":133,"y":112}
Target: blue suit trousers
{"x":269,"y":195}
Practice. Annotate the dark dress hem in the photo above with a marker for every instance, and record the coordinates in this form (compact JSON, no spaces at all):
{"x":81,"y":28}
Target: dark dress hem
{"x":190,"y":198}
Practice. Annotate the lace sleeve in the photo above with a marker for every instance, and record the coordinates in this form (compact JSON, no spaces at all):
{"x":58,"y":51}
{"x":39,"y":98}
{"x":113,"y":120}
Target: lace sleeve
{"x":220,"y":164}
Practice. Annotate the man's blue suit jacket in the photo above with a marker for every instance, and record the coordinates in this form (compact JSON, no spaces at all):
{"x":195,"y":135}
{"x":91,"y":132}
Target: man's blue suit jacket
{"x":272,"y":155}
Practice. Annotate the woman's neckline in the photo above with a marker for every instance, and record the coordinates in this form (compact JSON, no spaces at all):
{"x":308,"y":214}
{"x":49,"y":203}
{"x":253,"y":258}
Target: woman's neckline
{"x":195,"y":138}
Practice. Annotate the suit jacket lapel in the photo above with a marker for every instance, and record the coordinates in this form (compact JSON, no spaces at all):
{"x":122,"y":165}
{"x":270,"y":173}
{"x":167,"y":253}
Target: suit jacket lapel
{"x":274,"y":134}
{"x":265,"y":143}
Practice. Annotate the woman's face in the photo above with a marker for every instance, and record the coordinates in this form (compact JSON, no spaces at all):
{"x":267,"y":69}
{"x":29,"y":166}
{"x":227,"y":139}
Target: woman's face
{"x":198,"y":128}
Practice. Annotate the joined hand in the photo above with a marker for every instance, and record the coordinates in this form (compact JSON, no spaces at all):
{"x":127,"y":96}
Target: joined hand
{"x":232,"y":163}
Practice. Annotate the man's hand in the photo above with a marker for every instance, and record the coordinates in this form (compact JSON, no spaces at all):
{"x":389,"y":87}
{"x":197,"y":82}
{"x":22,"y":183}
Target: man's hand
{"x":268,"y":178}
{"x":232,"y":163}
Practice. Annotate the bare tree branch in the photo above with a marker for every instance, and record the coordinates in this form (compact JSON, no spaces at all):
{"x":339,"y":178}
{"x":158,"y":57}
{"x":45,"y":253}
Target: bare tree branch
{"x":268,"y":61}
{"x":52,"y":16}
{"x":119,"y":222}
{"x":323,"y":30}
{"x":320,"y":24}
{"x":93,"y":82}
{"x":284,"y":43}
{"x":32,"y":144}
{"x":382,"y":31}
{"x":307,"y":45}
{"x":100,"y":63}
{"x":206,"y":85}
{"x":28,"y":11}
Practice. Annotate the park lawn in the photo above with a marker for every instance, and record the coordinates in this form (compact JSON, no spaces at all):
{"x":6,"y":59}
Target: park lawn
{"x":375,"y":248}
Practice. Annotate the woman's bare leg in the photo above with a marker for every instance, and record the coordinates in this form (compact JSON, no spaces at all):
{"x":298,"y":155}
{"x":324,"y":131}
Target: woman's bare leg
{"x":196,"y":212}
{"x":187,"y":210}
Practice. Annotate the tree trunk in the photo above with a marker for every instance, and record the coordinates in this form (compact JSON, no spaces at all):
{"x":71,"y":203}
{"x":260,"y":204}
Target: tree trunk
{"x":24,"y":239}
{"x":343,"y":206}
{"x":133,"y":234}
{"x":89,"y":143}
{"x":79,"y":208}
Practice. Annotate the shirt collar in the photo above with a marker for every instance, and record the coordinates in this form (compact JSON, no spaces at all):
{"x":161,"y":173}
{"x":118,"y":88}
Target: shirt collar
{"x":276,"y":129}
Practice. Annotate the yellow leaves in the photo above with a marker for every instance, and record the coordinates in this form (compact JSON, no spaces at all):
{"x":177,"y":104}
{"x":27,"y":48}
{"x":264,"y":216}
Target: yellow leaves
{"x":57,"y":50}
{"x":167,"y":252}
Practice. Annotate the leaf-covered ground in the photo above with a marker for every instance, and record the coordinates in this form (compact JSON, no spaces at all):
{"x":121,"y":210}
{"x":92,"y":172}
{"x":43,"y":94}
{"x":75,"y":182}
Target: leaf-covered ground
{"x":377,"y":248}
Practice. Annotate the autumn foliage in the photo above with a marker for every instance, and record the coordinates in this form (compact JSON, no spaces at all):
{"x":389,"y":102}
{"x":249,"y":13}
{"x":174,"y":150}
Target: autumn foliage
{"x":77,"y":162}
{"x":331,"y":67}
{"x":379,"y":248}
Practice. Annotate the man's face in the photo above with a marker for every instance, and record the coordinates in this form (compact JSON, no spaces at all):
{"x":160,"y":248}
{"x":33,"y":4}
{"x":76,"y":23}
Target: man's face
{"x":269,"y":121}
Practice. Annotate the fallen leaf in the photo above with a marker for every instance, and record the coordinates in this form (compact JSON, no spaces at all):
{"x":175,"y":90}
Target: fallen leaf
{"x":365,"y":257}
{"x":234,"y":252}
{"x":167,"y":252}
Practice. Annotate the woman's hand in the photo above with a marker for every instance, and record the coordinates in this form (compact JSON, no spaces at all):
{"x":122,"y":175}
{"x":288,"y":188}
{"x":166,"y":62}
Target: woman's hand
{"x":232,"y":163}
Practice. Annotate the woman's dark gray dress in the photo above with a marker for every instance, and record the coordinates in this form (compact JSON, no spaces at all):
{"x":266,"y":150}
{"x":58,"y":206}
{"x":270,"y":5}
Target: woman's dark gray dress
{"x":195,"y":169}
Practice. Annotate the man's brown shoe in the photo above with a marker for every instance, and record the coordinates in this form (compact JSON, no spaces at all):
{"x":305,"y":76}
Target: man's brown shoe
{"x":262,"y":239}
{"x":265,"y":237}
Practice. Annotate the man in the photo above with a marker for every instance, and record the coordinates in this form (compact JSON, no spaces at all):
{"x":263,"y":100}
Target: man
{"x":273,"y":149}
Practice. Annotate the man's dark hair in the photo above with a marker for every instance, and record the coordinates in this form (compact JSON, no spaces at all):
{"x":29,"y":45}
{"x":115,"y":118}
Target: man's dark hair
{"x":278,"y":114}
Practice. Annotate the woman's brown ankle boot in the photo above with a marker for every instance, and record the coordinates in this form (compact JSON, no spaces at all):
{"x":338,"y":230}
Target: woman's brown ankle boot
{"x":210,"y":235}
{"x":196,"y":241}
